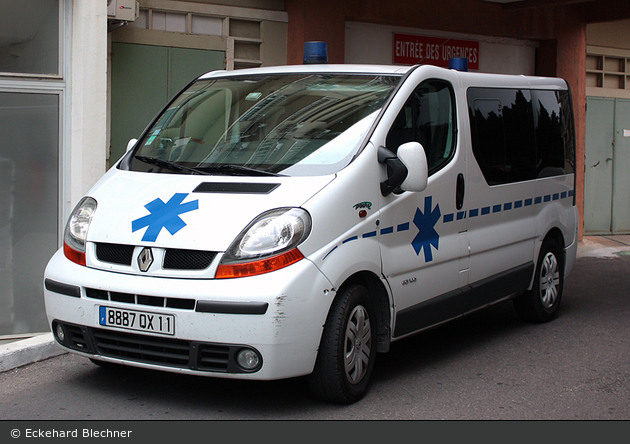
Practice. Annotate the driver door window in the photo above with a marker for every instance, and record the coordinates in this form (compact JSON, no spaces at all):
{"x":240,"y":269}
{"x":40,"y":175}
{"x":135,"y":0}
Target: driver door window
{"x":428,"y":117}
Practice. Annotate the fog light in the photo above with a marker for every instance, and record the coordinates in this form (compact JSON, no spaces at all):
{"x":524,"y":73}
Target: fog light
{"x":248,"y":359}
{"x":61,"y":335}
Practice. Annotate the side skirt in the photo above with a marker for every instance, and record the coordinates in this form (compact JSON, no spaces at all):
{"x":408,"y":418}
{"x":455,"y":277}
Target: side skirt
{"x":463,"y":300}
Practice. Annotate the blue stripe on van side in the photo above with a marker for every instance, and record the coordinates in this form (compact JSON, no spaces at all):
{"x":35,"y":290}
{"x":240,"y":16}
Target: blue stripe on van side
{"x":474,"y":212}
{"x":328,"y":254}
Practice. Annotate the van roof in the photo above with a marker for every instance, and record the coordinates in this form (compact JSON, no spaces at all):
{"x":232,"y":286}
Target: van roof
{"x":323,"y":68}
{"x":467,"y":79}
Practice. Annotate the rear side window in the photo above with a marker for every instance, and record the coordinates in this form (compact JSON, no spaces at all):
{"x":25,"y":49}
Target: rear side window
{"x":555,"y":140}
{"x":502,"y":126}
{"x":520,"y":135}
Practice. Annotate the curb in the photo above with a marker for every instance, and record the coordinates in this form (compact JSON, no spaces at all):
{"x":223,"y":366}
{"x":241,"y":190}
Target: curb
{"x":27,"y":351}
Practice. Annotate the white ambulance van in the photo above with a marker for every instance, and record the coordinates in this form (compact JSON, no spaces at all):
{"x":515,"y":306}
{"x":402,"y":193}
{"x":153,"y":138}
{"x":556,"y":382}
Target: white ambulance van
{"x":295,"y":221}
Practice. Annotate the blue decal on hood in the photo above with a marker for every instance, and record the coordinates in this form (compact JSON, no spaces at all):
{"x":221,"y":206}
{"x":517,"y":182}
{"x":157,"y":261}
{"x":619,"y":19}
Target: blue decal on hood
{"x":427,"y":235}
{"x":164,"y":215}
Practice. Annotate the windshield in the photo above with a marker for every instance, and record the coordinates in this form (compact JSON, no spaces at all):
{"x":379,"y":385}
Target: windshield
{"x":296,"y":125}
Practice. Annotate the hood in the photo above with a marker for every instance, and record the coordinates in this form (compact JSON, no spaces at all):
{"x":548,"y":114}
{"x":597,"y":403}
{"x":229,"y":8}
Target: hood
{"x":189,"y":211}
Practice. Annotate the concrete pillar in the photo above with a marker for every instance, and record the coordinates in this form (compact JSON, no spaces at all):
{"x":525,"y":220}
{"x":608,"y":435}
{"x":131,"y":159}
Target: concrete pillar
{"x":570,"y":31}
{"x":88,"y":89}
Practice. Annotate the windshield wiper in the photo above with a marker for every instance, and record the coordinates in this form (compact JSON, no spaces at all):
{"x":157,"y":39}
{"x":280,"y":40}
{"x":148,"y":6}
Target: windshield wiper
{"x":168,"y":164}
{"x":239,"y":169}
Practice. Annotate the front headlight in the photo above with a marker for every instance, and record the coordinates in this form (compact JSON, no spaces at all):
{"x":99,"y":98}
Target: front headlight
{"x":268,"y":243}
{"x":76,"y":230}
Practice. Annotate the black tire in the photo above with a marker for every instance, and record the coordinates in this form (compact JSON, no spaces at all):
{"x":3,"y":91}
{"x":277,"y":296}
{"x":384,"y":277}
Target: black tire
{"x":541,"y":303}
{"x":349,"y":331}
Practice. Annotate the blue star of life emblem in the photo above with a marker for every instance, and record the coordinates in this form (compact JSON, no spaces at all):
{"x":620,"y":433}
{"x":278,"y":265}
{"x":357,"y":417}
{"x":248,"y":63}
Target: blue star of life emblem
{"x":164,"y":215}
{"x":425,"y":222}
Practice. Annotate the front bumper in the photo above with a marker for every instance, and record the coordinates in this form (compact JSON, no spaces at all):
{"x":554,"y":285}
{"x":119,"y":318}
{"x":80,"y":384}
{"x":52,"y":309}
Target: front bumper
{"x":279,"y":314}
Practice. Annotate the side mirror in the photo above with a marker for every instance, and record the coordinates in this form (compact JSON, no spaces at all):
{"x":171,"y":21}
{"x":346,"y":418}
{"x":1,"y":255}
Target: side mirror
{"x":408,"y":170}
{"x":131,"y":144}
{"x":412,"y":155}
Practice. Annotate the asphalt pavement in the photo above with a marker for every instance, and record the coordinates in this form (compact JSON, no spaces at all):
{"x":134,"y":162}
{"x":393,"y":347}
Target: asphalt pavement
{"x":19,"y":351}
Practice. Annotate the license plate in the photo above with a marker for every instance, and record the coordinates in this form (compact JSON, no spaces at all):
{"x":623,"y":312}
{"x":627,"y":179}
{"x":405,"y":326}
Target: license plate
{"x":137,"y":320}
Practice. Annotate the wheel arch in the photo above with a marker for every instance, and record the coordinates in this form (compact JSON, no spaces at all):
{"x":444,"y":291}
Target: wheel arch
{"x":554,"y":234}
{"x":382,"y":305}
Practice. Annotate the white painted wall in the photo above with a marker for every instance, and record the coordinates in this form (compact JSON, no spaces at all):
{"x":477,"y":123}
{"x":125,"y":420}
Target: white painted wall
{"x":372,"y":44}
{"x":88,"y":100}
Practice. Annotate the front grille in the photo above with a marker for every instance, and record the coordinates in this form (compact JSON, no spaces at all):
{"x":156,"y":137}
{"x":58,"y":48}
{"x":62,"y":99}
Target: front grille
{"x":174,"y":259}
{"x":153,"y":301}
{"x":114,"y":253}
{"x":76,"y":337}
{"x":187,"y":259}
{"x":158,"y":350}
{"x":148,"y":349}
{"x":212,"y":356}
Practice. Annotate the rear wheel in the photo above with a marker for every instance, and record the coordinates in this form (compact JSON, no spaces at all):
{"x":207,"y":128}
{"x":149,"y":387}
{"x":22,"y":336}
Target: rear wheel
{"x":541,"y":303}
{"x":347,"y":350}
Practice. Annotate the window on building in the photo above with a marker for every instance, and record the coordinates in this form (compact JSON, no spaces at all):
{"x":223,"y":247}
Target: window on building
{"x":32,"y":90}
{"x":29,"y":37}
{"x":29,"y":182}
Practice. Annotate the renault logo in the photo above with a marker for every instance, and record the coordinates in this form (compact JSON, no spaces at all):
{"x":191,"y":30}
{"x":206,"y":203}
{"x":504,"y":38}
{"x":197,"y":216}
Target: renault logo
{"x":145,"y":259}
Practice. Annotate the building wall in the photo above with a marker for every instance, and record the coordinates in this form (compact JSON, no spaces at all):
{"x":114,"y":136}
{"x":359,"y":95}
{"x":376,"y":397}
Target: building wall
{"x":88,"y":118}
{"x":369,"y":43}
{"x":609,"y":34}
{"x":608,"y":59}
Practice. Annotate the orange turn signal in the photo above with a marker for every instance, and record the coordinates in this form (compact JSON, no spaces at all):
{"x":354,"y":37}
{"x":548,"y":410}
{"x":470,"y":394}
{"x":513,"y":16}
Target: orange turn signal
{"x":75,"y":256}
{"x":227,"y":271}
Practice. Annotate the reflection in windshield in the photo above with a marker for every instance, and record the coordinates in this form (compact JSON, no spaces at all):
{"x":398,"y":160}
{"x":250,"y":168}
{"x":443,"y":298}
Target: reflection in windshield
{"x":291,"y":124}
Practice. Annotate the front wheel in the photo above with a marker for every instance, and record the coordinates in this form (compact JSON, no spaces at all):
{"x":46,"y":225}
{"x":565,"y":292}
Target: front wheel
{"x":347,"y":350}
{"x":541,"y":303}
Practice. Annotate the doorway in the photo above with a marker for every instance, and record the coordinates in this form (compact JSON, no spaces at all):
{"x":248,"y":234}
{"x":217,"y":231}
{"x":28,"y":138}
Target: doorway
{"x":606,"y":184}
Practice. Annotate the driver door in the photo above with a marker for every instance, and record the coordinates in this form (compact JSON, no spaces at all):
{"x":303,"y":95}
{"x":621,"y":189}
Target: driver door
{"x":423,"y":236}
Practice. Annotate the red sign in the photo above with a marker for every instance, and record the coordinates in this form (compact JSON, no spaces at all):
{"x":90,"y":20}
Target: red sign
{"x":417,"y":49}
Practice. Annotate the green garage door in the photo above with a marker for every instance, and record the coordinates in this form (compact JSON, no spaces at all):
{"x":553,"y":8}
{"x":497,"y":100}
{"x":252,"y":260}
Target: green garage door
{"x":606,"y":178}
{"x":144,"y":79}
